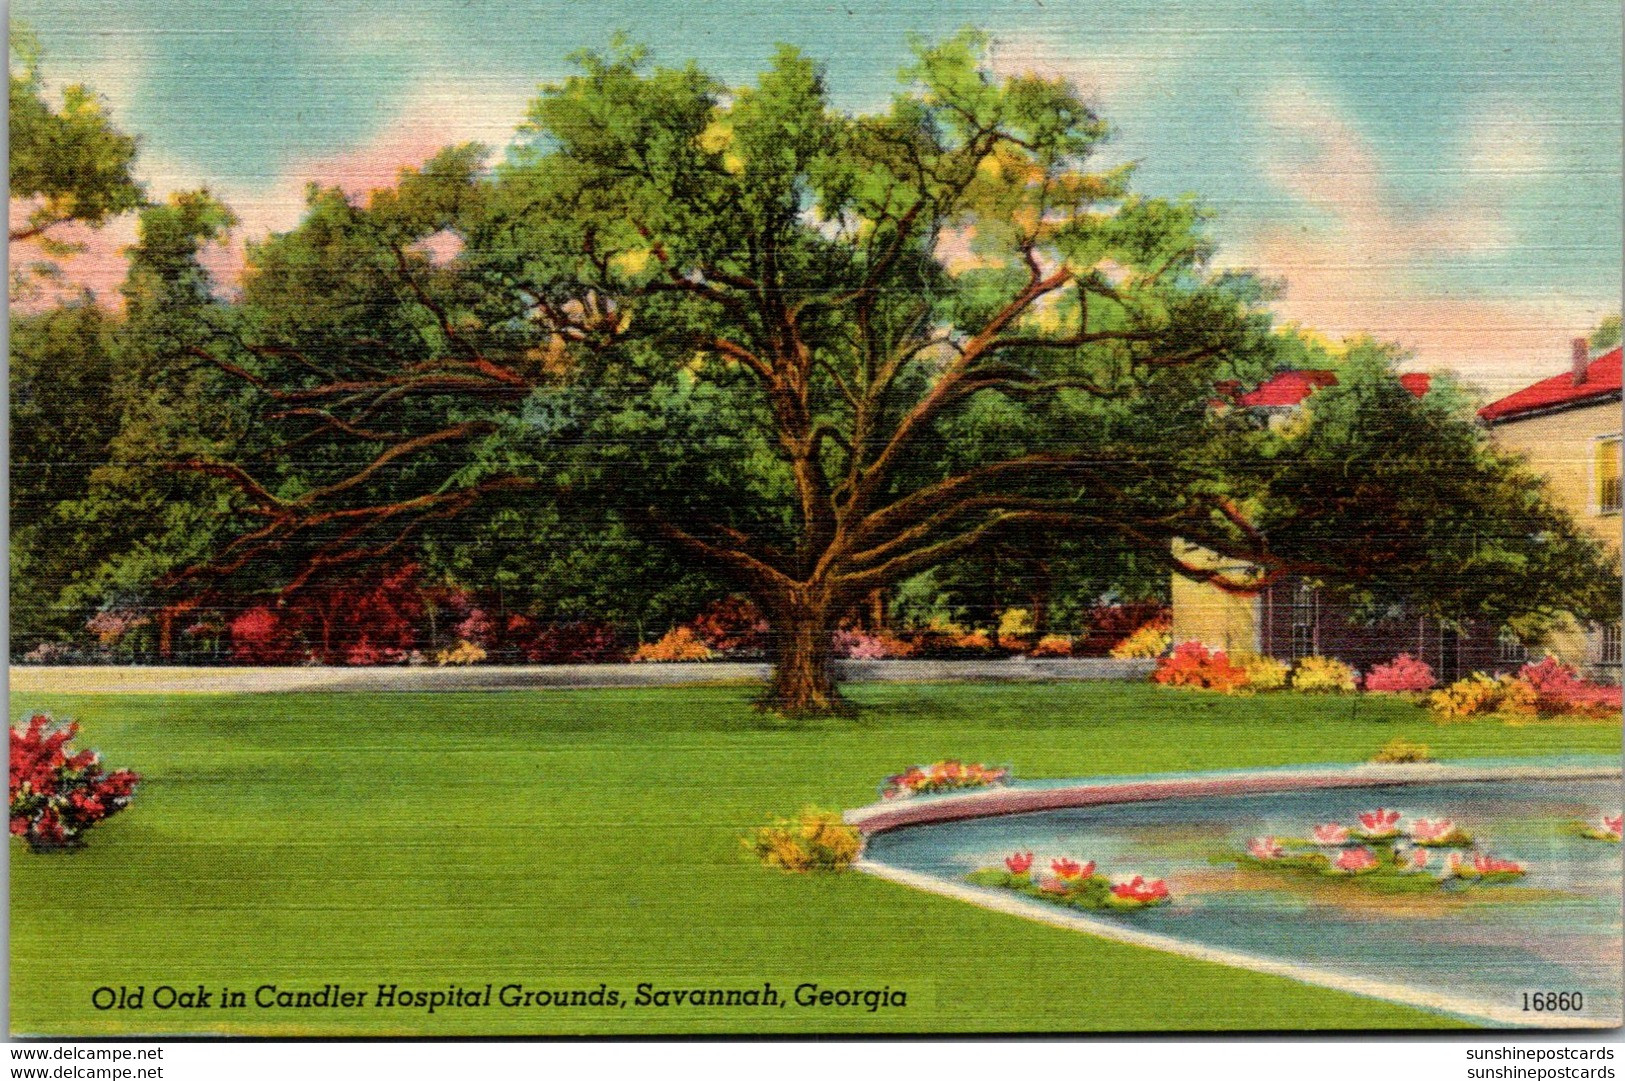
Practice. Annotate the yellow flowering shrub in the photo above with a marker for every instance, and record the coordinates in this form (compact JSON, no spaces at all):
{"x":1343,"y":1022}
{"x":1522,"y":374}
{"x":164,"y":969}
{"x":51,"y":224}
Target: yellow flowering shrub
{"x":1323,"y":675}
{"x":1400,"y":749}
{"x":1149,"y":641}
{"x":1263,"y":673}
{"x":676,"y":645}
{"x":464,"y":652}
{"x":1015,"y":623}
{"x":815,"y":840}
{"x":1479,"y":695}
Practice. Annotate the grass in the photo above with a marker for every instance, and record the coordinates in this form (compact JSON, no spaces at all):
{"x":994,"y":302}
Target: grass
{"x":569,"y":839}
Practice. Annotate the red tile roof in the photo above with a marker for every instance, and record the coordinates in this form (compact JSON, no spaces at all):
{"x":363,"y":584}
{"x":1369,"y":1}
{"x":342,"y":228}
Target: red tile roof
{"x":1416,"y":382}
{"x":1601,"y":383}
{"x":1290,"y":388}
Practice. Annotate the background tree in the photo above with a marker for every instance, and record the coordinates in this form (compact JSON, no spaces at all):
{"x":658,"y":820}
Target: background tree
{"x":1407,"y":504}
{"x":71,"y":162}
{"x":120,"y":517}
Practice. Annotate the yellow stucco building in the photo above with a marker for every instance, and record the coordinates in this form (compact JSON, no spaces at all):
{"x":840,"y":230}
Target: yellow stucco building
{"x":1568,"y":427}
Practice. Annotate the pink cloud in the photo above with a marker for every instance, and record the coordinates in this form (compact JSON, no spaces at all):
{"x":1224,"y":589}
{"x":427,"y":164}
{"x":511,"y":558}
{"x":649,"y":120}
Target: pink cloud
{"x":437,"y":117}
{"x":1361,"y":264}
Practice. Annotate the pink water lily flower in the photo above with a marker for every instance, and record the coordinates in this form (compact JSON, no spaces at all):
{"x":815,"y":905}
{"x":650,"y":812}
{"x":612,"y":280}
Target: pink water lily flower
{"x":1424,"y":830}
{"x":1416,"y":859}
{"x":1355,"y":860}
{"x":1138,"y":889}
{"x":1457,"y":865}
{"x":1380,"y":823}
{"x":1071,"y":870}
{"x":1019,"y":863}
{"x":1494,"y":865}
{"x":1265,"y":848}
{"x":1614,"y":826}
{"x":1051,"y":884}
{"x":1331,"y":834}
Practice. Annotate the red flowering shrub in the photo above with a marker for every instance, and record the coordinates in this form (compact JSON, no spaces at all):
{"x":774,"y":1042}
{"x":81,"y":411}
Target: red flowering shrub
{"x":1109,"y":624}
{"x":367,"y":623}
{"x":582,"y":642}
{"x":58,"y":794}
{"x":258,"y":637}
{"x":732,"y":625}
{"x":1559,"y":689}
{"x":1403,"y":674}
{"x":1192,"y":664}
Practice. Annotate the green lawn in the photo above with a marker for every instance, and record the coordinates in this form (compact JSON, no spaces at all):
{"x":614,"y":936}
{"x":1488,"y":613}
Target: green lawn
{"x":566,"y":838}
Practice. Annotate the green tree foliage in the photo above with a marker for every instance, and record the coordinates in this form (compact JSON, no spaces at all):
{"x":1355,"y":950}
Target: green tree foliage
{"x":1401,"y":503}
{"x":63,"y":417}
{"x":71,"y":161}
{"x":1605,"y":335}
{"x":126,"y":517}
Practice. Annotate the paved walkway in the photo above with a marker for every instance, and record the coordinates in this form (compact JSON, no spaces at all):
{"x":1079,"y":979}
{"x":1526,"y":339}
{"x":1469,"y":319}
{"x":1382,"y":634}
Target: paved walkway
{"x":110,"y":679}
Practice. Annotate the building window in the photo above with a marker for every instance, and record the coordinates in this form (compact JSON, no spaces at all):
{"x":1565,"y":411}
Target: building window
{"x":1605,"y":471}
{"x":1508,"y":649}
{"x":1305,"y":616}
{"x":1608,"y":651}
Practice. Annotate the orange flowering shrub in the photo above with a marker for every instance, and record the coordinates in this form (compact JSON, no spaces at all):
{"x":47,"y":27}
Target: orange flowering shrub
{"x":1052,"y":645}
{"x":1193,"y":665}
{"x":676,"y":645}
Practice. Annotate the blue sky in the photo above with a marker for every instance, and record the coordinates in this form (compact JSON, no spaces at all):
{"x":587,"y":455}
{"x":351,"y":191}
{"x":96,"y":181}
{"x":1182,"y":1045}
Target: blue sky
{"x":1444,"y":174}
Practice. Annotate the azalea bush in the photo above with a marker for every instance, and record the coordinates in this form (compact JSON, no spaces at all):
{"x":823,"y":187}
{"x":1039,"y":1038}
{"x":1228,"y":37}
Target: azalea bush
{"x":1400,"y":750}
{"x":1193,"y":665}
{"x":1402,"y":675}
{"x":1324,"y":675}
{"x":815,"y":840}
{"x":1480,"y":695}
{"x":1560,"y":690}
{"x":676,"y":645}
{"x":1150,"y":640}
{"x":733,"y":626}
{"x":943,"y":776}
{"x":57,"y":793}
{"x":1383,"y":852}
{"x":1052,"y":645}
{"x":463,"y":653}
{"x":1072,"y":882}
{"x":577,"y":642}
{"x":1263,"y":673}
{"x":861,"y":646}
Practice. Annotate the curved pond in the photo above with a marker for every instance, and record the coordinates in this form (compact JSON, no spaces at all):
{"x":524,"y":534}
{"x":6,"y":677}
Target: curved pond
{"x":1471,"y":950}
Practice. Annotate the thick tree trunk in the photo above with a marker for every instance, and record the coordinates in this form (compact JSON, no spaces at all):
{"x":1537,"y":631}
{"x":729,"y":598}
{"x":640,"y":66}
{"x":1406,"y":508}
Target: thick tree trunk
{"x":803,"y":680}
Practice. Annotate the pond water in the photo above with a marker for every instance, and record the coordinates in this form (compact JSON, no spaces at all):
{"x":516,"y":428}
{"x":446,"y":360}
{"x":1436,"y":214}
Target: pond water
{"x":1558,"y":929}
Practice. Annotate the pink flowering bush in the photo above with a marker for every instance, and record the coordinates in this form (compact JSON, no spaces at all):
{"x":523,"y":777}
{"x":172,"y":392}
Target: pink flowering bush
{"x":860,"y":646}
{"x":1559,"y":689}
{"x":1402,"y":675}
{"x":57,"y":793}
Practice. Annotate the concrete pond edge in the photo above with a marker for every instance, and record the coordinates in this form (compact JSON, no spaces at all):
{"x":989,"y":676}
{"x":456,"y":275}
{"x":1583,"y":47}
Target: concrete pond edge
{"x":886,"y":815}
